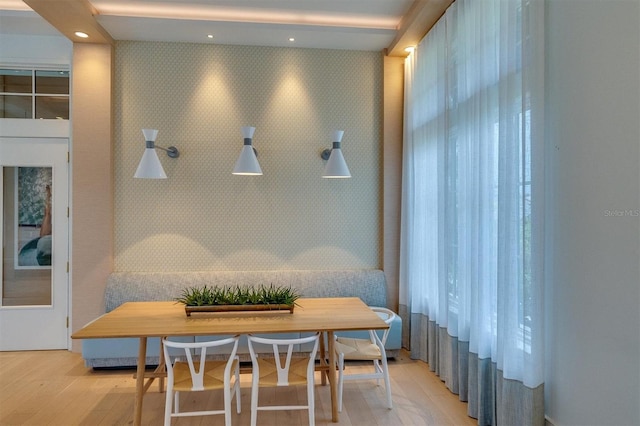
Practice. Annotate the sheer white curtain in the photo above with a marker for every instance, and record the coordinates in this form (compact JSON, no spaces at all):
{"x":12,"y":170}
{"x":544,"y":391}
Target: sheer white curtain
{"x":471,"y":258}
{"x":424,"y":121}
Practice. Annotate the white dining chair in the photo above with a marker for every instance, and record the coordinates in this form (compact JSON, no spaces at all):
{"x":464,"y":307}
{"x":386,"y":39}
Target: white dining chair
{"x":191,"y":371}
{"x":371,"y":349}
{"x":281,"y":369}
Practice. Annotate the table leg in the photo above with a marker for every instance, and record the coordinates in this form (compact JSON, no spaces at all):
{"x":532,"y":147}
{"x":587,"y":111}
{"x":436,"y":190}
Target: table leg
{"x":142,"y":361}
{"x":331,"y":374}
{"x":161,"y":367}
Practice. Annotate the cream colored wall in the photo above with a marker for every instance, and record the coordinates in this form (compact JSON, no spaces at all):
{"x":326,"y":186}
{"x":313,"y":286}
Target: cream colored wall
{"x":91,"y":181}
{"x":392,"y":169}
{"x":204,"y":218}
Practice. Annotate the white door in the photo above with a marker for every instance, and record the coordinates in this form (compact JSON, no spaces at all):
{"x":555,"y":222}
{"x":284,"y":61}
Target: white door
{"x":34,"y":204}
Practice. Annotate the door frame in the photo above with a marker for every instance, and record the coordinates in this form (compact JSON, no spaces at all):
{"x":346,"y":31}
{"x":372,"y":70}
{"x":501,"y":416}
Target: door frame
{"x":55,"y":132}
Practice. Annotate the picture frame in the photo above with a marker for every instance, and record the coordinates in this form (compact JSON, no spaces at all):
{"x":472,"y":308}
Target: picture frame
{"x":33,"y":186}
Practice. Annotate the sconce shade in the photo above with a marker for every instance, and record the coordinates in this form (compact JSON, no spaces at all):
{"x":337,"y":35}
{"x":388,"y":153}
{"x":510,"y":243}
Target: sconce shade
{"x":336,"y":165}
{"x":150,"y":134}
{"x":149,"y":166}
{"x":247,"y":164}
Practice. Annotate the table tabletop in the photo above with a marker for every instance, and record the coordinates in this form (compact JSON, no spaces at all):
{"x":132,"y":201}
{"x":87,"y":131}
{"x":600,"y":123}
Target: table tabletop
{"x":159,"y":319}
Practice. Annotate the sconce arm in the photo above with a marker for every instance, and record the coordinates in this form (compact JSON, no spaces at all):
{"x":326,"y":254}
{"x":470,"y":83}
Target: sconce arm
{"x":172,"y":151}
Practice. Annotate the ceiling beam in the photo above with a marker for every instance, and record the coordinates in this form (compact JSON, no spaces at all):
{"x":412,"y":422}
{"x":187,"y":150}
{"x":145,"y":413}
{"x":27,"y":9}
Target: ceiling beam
{"x":69,"y":16}
{"x":416,"y":23}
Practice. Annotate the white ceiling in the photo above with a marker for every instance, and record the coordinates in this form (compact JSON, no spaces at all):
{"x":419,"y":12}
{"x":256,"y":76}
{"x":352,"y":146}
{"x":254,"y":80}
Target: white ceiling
{"x":332,"y":24}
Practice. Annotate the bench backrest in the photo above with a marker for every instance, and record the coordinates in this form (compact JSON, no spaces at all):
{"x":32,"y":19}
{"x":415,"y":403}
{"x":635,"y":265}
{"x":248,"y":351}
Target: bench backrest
{"x":368,"y":284}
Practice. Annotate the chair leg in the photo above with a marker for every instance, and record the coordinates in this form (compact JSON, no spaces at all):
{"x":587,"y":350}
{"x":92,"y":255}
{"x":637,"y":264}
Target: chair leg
{"x":311,"y":404}
{"x":167,"y":407}
{"x":237,"y":388}
{"x":227,"y":406}
{"x":387,"y":381}
{"x":340,"y":380}
{"x":237,"y":396}
{"x":254,"y":399}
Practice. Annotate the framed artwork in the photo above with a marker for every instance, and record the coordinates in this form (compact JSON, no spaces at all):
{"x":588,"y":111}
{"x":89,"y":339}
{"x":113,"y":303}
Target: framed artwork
{"x":33,"y":191}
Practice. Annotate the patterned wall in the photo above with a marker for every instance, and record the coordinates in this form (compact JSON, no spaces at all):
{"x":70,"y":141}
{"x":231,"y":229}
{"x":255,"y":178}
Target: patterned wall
{"x":204,"y":218}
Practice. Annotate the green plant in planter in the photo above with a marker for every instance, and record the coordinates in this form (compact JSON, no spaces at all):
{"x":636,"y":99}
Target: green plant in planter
{"x":214,"y":296}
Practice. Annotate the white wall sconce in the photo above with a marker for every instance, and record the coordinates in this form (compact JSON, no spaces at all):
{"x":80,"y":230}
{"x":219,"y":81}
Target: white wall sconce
{"x":149,"y":166}
{"x":247,"y":164}
{"x":336,"y":166}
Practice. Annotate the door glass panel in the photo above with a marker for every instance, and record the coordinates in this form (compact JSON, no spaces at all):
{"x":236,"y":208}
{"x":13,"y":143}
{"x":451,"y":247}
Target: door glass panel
{"x":52,"y":82}
{"x":15,"y":106}
{"x":27,"y":234}
{"x":15,"y":81}
{"x":53,"y":107}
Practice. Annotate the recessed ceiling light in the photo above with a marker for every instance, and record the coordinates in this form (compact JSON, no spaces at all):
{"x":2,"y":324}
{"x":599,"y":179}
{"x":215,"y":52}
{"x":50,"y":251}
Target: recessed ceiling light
{"x":81,"y":34}
{"x":292,"y":39}
{"x":209,"y":35}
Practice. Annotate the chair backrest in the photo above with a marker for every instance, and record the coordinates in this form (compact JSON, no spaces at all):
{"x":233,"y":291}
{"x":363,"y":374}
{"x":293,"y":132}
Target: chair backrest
{"x":196,"y":352}
{"x":280,"y":347}
{"x":387,"y":316}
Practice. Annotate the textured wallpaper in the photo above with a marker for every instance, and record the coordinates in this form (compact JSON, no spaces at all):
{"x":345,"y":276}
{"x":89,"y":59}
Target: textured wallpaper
{"x":204,"y":218}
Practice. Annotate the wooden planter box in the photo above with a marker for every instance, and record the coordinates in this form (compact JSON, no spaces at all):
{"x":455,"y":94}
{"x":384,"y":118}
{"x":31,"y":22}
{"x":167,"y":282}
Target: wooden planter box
{"x":237,"y":308}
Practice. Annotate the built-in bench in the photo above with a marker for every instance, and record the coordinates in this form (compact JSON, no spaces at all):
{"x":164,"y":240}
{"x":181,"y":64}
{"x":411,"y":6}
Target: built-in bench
{"x":367,"y":284}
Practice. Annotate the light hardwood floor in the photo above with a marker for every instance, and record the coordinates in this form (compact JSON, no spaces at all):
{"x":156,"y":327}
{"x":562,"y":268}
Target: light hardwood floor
{"x":55,"y":388}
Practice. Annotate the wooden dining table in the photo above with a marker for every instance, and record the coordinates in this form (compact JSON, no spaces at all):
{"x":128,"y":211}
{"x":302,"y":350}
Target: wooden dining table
{"x":164,"y":319}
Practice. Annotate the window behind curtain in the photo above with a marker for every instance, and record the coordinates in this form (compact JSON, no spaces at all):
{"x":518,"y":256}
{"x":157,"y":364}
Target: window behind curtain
{"x":471,"y":245}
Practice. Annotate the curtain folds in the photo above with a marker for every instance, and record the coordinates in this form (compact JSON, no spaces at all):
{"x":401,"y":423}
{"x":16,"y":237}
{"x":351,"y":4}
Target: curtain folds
{"x":471,"y":246}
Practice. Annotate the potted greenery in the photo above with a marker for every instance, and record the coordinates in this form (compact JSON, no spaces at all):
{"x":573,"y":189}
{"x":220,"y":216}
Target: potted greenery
{"x":220,"y":299}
